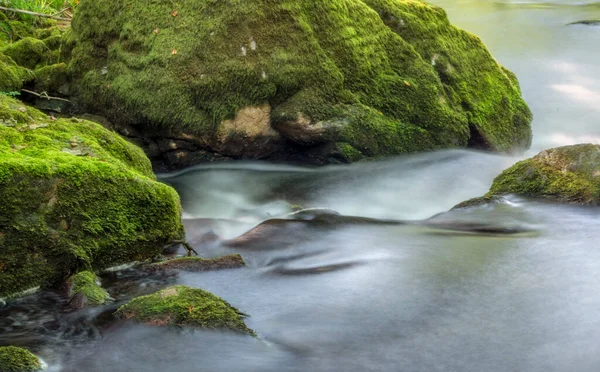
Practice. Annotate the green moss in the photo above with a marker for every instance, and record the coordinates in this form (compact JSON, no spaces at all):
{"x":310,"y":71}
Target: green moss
{"x":200,"y":264}
{"x":184,"y":306}
{"x":52,"y":78}
{"x":12,"y":77}
{"x":28,"y":52}
{"x":73,"y":197}
{"x":87,"y":284}
{"x":473,"y":82}
{"x":568,"y":174}
{"x":382,"y":76}
{"x":15,"y":359}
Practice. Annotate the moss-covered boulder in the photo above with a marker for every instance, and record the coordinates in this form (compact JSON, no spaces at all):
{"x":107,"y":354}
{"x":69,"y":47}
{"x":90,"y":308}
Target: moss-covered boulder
{"x":15,"y":359}
{"x":28,"y":52}
{"x":74,"y":196}
{"x":232,"y":261}
{"x":569,"y":174}
{"x":338,"y":79}
{"x":85,"y":289}
{"x":184,"y":306}
{"x":12,"y":76}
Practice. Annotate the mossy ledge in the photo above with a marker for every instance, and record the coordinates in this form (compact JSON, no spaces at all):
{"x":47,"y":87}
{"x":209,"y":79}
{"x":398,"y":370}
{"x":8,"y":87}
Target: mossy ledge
{"x":184,"y":307}
{"x":74,"y":196}
{"x":338,"y":80}
{"x":15,"y":359}
{"x":232,"y":261}
{"x":569,"y":174}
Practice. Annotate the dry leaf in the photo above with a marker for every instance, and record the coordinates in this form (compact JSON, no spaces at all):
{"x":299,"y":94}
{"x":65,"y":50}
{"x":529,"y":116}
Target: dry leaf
{"x":174,"y":13}
{"x":174,"y":51}
{"x":155,"y":32}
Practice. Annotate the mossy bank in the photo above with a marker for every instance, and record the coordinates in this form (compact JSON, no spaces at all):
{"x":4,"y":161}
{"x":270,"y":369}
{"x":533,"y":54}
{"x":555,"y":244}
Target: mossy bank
{"x":338,"y":80}
{"x":74,"y":196}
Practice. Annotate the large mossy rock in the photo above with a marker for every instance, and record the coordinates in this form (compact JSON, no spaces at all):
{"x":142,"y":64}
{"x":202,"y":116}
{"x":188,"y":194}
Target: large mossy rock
{"x":15,"y":359}
{"x":184,"y":306}
{"x":569,"y":174}
{"x":74,"y":196}
{"x":12,"y":76}
{"x":344,"y":79}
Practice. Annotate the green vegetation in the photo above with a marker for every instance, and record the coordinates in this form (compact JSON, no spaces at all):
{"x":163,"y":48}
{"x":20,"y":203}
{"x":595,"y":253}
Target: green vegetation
{"x":73,"y":197}
{"x":87,"y":284}
{"x":569,"y":174}
{"x":15,"y":359}
{"x":50,"y":7}
{"x":183,"y":306}
{"x":378,"y":77}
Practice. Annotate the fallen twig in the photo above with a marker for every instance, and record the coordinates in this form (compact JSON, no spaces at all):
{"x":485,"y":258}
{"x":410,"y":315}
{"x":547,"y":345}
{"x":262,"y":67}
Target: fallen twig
{"x":185,"y":244}
{"x":45,"y":95}
{"x":34,"y":13}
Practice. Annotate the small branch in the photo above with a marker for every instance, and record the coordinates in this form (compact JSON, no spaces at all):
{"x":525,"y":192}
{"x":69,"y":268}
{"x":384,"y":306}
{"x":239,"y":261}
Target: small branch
{"x":185,"y":244}
{"x":45,"y":95}
{"x":35,"y":14}
{"x":61,"y":11}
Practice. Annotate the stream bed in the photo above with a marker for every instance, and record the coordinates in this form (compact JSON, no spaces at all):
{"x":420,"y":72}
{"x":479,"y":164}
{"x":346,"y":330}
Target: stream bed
{"x":394,"y":292}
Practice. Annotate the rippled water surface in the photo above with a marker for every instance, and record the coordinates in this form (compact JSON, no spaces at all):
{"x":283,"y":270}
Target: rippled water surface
{"x":407,"y":287}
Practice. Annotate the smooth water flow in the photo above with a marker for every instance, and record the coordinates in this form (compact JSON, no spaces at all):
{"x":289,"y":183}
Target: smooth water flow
{"x":396,"y":292}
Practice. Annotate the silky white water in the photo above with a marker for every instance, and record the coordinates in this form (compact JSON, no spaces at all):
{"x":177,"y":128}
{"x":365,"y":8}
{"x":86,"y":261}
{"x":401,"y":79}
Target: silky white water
{"x":382,"y":297}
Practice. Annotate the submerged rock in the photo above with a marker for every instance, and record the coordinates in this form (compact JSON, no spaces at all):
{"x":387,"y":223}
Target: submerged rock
{"x":85,"y":290}
{"x":332,"y":81}
{"x":73,"y":197}
{"x":231,"y":261}
{"x":15,"y":359}
{"x":569,"y":174}
{"x":185,"y":307}
{"x":587,"y":22}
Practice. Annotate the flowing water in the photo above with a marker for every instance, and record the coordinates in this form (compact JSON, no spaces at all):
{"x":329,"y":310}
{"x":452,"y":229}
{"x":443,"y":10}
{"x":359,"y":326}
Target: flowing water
{"x":509,"y":287}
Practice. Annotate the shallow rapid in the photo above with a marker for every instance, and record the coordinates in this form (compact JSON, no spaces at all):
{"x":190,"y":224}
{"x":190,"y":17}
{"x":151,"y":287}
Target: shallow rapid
{"x":396,"y":291}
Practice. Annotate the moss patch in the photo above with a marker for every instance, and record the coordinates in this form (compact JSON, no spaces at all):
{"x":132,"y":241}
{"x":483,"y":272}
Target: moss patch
{"x":381,"y":77}
{"x":15,"y":359}
{"x":87,"y":285}
{"x":73,"y":197}
{"x":184,"y":306}
{"x":569,"y":174}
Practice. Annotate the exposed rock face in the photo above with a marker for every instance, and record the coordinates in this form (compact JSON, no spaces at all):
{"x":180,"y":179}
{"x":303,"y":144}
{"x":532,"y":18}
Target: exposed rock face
{"x":74,"y":196}
{"x":15,"y":359}
{"x":184,"y":306}
{"x":569,"y":174}
{"x":340,"y":80}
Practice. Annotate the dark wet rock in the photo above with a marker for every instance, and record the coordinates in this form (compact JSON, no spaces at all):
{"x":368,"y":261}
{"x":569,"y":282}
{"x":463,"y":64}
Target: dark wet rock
{"x":185,"y":307}
{"x":589,"y":22}
{"x":15,"y":359}
{"x":246,"y":82}
{"x":281,"y":232}
{"x":480,"y":201}
{"x":85,"y":289}
{"x":322,"y":269}
{"x":232,"y":261}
